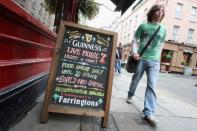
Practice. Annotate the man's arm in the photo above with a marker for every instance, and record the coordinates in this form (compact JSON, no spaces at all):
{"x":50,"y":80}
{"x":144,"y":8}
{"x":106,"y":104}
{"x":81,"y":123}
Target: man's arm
{"x":134,"y":46}
{"x":134,"y":49}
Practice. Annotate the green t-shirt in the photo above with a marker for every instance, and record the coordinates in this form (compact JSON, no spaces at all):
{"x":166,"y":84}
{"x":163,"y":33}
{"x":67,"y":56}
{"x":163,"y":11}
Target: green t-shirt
{"x":144,"y":33}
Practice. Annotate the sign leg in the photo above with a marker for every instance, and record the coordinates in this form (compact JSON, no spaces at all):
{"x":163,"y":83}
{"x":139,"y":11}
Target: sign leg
{"x":44,"y":117}
{"x":104,"y":121}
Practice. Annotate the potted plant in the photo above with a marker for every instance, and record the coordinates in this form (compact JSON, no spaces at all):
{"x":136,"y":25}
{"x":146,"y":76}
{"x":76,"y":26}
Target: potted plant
{"x":168,"y":57}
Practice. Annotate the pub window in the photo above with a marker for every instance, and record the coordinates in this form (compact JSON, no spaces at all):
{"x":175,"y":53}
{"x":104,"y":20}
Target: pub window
{"x":166,"y":56}
{"x":186,"y":58}
{"x":179,"y":8}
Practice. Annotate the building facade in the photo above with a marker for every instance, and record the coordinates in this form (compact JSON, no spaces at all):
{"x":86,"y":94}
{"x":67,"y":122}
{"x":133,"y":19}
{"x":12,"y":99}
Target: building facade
{"x":181,"y":24}
{"x":36,"y":9}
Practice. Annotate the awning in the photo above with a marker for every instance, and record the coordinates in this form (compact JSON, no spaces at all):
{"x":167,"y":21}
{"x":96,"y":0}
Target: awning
{"x":188,"y":51}
{"x":122,"y":5}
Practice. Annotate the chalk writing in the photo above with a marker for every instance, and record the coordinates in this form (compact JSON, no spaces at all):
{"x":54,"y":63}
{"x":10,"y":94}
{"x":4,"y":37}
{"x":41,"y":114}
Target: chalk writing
{"x":96,"y":93}
{"x":81,"y":102}
{"x":74,"y":51}
{"x":82,"y":69}
{"x":71,"y":90}
{"x":95,"y":84}
{"x":85,"y":45}
{"x":68,"y":65}
{"x":71,"y":57}
{"x":88,"y":75}
{"x":90,"y":54}
{"x":67,"y":72}
{"x":91,"y":61}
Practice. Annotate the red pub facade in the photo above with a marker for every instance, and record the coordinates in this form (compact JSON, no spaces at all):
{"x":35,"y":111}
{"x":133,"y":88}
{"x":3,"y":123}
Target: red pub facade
{"x":26,"y":49}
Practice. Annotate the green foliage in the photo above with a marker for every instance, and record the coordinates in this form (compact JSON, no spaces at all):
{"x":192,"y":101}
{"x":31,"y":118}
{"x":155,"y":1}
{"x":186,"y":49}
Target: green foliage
{"x":86,"y":8}
{"x":185,"y":63}
{"x":50,"y":5}
{"x":169,"y":55}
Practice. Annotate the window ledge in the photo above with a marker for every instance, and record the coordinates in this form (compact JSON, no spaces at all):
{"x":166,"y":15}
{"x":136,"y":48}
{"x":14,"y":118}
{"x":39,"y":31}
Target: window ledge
{"x":178,"y":18}
{"x":193,"y":21}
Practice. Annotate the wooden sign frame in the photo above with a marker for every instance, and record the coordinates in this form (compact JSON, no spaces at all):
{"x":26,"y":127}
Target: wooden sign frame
{"x":49,"y":107}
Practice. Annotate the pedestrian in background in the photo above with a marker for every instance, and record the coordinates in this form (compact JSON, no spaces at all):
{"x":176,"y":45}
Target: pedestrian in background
{"x":118,"y":59}
{"x":149,"y":61}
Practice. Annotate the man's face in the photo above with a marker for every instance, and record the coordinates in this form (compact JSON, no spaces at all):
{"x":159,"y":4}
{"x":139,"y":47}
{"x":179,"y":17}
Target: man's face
{"x":159,"y":13}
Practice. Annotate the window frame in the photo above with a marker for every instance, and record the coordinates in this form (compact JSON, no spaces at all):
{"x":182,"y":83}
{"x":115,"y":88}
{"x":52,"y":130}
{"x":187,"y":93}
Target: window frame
{"x":190,"y":35}
{"x":175,"y":32}
{"x":193,"y":16}
{"x":178,"y":11}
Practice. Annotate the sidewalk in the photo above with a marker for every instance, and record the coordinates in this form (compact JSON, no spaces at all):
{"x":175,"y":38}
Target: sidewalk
{"x":172,"y":113}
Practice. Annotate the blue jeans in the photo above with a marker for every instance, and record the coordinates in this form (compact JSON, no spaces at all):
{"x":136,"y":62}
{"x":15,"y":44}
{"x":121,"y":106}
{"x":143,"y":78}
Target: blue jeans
{"x":117,"y":66}
{"x":152,"y":69}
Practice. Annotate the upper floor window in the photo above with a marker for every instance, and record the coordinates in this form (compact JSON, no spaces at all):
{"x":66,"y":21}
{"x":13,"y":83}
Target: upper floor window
{"x":130,"y":22}
{"x":126,"y":28}
{"x":193,"y":17}
{"x":175,"y":33}
{"x":128,"y":37}
{"x":190,"y":35}
{"x":179,"y":8}
{"x":33,"y":4}
{"x":145,"y":15}
{"x":41,"y":9}
{"x":45,"y":15}
{"x":136,"y":21}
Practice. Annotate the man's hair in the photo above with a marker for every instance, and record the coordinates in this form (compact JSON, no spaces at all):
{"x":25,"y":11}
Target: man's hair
{"x":151,"y":12}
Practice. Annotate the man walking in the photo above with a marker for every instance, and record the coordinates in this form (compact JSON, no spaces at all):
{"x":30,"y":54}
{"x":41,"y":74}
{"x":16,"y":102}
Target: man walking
{"x":149,"y":61}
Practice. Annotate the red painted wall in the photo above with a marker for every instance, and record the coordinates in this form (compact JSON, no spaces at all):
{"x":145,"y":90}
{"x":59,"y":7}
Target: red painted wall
{"x":26,"y":45}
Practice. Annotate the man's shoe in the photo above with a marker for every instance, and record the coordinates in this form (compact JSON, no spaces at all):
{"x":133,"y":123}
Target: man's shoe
{"x":129,"y":99}
{"x":151,"y":120}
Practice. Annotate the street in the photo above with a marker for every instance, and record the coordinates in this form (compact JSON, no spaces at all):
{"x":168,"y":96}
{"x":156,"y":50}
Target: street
{"x":176,"y":85}
{"x":180,"y":86}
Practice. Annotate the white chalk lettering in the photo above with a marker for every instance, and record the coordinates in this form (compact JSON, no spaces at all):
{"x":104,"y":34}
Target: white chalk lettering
{"x":68,"y":65}
{"x":76,"y":101}
{"x":71,"y":57}
{"x":88,"y":75}
{"x":84,"y":45}
{"x":82,"y":68}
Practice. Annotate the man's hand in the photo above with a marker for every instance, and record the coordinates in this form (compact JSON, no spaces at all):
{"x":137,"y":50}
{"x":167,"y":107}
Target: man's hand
{"x":136,"y":56}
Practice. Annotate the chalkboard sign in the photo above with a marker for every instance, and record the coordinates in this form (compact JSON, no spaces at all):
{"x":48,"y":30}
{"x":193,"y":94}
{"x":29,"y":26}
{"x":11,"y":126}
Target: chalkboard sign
{"x":80,"y":78}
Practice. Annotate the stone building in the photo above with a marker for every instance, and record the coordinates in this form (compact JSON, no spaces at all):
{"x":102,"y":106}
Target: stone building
{"x":36,"y":9}
{"x":181,"y":24}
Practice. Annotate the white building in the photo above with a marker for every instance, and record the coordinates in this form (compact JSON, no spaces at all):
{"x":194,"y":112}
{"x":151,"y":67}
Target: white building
{"x":181,"y":23}
{"x":36,"y":8}
{"x":180,"y":20}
